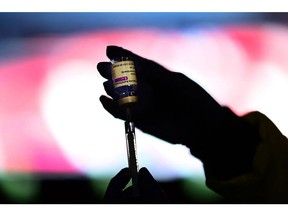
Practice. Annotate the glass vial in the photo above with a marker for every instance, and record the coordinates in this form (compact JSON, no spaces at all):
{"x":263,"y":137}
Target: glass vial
{"x":124,"y":79}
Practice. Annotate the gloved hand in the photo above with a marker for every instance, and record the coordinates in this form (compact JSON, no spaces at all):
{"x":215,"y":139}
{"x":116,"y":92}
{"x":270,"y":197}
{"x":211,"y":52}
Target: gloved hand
{"x":150,"y":191}
{"x":174,"y":108}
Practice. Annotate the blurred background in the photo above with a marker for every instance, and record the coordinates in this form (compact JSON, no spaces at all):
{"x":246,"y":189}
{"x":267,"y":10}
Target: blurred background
{"x":57,"y":143}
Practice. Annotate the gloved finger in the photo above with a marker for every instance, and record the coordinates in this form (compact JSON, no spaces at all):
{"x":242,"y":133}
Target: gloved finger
{"x":116,"y":52}
{"x":146,"y":180}
{"x":104,"y":69}
{"x":117,"y":184}
{"x":150,"y":189}
{"x":109,"y":88}
{"x":145,"y":68}
{"x":112,"y":107}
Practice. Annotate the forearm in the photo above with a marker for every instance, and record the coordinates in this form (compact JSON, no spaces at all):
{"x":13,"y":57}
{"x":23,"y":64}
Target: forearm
{"x":228,"y":144}
{"x":266,"y":182}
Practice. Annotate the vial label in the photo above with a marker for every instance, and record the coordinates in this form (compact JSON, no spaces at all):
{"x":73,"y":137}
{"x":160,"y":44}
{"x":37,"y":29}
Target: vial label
{"x":125,"y":82}
{"x":124,"y":74}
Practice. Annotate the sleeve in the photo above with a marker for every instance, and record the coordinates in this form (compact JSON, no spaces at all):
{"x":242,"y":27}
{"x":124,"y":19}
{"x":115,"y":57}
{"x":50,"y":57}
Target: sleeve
{"x":268,"y":180}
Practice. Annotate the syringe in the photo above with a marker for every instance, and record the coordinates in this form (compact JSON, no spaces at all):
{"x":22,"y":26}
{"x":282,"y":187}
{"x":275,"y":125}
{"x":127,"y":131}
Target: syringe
{"x":131,"y":151}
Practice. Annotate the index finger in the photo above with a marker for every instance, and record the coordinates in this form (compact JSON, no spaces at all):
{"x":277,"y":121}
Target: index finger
{"x":104,"y":69}
{"x":119,"y":182}
{"x":146,"y":69}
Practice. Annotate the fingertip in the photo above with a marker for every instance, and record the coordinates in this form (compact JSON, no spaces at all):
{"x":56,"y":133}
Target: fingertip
{"x":105,"y":100}
{"x":144,"y":172}
{"x":101,"y":98}
{"x":99,"y":66}
{"x":119,"y":181}
{"x":110,"y":106}
{"x":113,"y":51}
{"x":104,"y":69}
{"x":112,"y":47}
{"x":125,"y":171}
{"x":143,"y":169}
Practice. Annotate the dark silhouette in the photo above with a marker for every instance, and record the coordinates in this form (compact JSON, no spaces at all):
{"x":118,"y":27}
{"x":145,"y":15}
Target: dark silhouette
{"x":176,"y":109}
{"x":150,"y":191}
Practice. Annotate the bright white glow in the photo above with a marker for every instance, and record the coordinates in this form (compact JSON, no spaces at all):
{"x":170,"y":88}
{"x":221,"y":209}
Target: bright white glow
{"x":166,"y":160}
{"x":223,"y":79}
{"x":269,"y":94}
{"x":77,"y":120}
{"x":91,"y":138}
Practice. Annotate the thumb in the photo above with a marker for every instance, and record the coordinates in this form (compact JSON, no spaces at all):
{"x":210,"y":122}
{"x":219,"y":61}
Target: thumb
{"x":146,"y":181}
{"x":150,"y":188}
{"x":116,"y":185}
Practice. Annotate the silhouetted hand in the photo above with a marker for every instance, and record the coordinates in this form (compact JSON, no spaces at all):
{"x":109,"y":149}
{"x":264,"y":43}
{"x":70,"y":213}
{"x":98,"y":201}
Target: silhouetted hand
{"x":150,"y":191}
{"x":176,"y":109}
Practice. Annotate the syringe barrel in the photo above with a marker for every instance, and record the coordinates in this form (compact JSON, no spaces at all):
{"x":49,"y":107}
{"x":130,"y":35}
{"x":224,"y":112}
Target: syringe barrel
{"x":132,"y":154}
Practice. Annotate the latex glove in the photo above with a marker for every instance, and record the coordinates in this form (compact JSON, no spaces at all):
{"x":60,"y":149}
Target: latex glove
{"x":149,"y":189}
{"x":174,"y":108}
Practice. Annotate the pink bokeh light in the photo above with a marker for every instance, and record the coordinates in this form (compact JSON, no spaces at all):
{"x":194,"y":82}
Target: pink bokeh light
{"x":225,"y":61}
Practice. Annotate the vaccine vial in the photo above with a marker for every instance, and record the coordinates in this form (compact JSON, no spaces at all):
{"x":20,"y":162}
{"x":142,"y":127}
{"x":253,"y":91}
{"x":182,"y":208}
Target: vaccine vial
{"x":124,"y":79}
